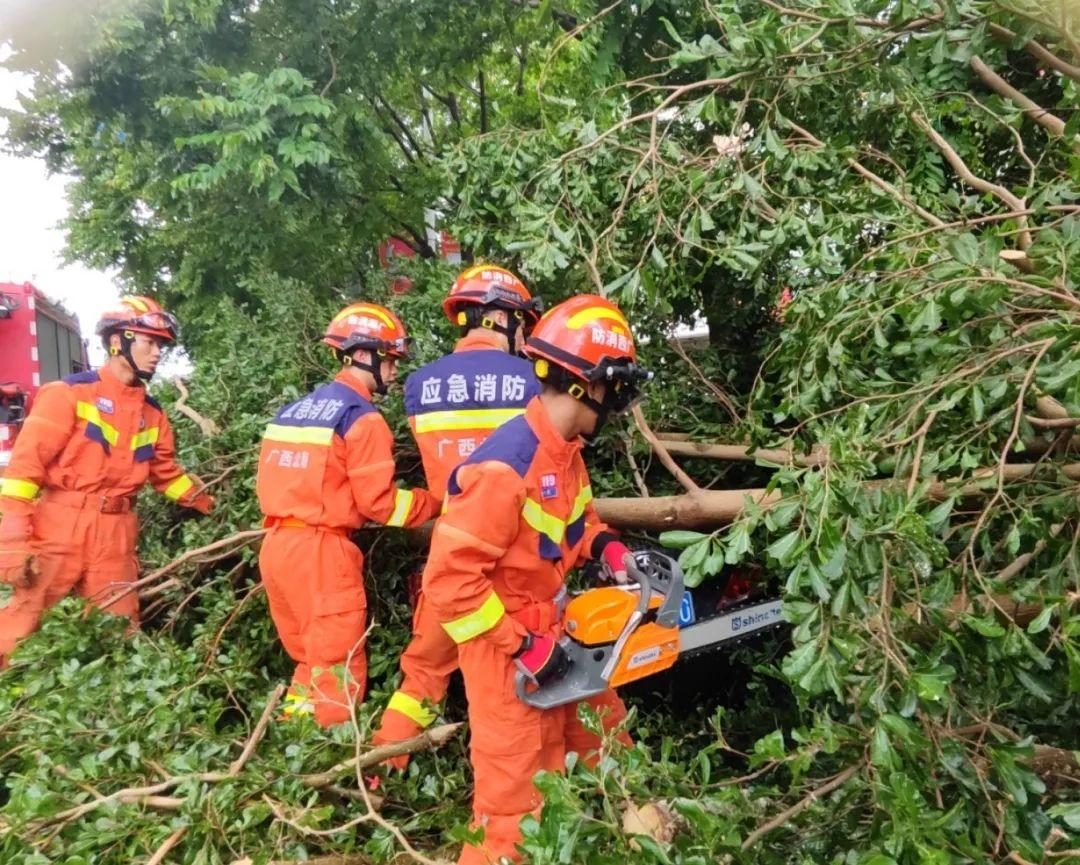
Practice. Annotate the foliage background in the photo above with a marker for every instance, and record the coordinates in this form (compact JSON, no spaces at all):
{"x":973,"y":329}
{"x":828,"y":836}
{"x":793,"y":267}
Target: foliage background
{"x":692,"y":160}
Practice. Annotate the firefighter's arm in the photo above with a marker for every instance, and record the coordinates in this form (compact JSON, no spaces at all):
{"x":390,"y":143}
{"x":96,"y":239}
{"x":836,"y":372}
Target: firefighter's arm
{"x":602,"y":543}
{"x":369,"y":460}
{"x":46,"y":430}
{"x":166,"y":475}
{"x":481,"y":521}
{"x":44,"y":434}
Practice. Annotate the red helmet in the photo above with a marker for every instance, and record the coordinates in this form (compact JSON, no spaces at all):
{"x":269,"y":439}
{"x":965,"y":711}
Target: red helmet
{"x":139,"y":315}
{"x":488,"y":285}
{"x":590,"y":339}
{"x":369,"y":326}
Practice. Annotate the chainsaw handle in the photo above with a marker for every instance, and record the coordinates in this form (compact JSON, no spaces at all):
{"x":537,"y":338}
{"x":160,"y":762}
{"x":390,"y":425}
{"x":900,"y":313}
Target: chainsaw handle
{"x":656,"y":572}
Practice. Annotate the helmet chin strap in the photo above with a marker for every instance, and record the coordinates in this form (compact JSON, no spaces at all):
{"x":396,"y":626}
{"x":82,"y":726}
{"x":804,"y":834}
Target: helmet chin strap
{"x":127,"y":340}
{"x":374,"y":366}
{"x":480,"y":317}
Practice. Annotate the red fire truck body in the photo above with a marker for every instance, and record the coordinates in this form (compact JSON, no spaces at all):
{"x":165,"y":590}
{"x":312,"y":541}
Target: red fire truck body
{"x":39,"y":342}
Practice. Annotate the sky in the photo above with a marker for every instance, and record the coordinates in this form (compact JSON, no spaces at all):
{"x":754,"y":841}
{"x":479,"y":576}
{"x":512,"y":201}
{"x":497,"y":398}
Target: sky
{"x":31,"y":244}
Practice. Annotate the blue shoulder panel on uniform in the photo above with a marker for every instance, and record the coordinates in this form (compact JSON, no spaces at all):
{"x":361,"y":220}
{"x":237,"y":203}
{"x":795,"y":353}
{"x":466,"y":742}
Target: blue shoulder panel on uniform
{"x":150,"y":401}
{"x":88,"y":377}
{"x":332,"y":405}
{"x":514,"y":443}
{"x":466,"y":380}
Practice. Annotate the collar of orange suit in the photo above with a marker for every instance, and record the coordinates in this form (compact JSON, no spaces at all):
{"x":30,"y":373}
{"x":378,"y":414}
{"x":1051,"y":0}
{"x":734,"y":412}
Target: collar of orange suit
{"x":551,"y":440}
{"x":118,"y":389}
{"x":351,"y":381}
{"x":480,"y":340}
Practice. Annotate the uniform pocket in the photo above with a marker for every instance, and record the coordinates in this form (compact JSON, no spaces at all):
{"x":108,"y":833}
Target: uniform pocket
{"x":349,"y":600}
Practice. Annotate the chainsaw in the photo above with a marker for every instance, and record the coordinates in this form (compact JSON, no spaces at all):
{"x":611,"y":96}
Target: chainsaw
{"x":619,"y":634}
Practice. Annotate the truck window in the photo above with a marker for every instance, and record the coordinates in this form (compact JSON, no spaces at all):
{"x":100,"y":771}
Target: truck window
{"x":48,"y":346}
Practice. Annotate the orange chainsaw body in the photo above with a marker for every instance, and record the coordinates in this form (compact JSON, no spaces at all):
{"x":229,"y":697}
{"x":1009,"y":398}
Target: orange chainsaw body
{"x":598,"y":616}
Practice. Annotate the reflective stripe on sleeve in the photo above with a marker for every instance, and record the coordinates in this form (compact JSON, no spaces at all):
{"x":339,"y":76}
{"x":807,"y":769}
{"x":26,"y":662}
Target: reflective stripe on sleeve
{"x":19,"y":489}
{"x":481,"y":418}
{"x":146,"y":437}
{"x":178,"y":488}
{"x":477,"y":622}
{"x":403,"y":500}
{"x":299,"y":435}
{"x":412,"y":709}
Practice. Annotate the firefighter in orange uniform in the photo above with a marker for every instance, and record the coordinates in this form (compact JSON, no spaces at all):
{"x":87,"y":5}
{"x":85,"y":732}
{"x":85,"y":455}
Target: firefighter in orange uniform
{"x":68,"y":497}
{"x":518,"y":517}
{"x":326,"y":467}
{"x":453,"y":405}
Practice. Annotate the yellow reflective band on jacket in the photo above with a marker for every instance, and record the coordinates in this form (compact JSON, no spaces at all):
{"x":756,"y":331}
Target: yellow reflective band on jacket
{"x":91,"y":415}
{"x":403,"y":500}
{"x":580,"y":503}
{"x":478,"y":622}
{"x":550,"y":525}
{"x":146,"y":437}
{"x":299,"y":435}
{"x":474,"y":418}
{"x":412,"y":709}
{"x":19,"y":489}
{"x":543,"y":522}
{"x":178,"y":488}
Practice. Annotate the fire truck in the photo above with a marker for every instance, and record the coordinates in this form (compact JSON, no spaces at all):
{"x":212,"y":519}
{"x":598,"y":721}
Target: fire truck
{"x":39,"y":342}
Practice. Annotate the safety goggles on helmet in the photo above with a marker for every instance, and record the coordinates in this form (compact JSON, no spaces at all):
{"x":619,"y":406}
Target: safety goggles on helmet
{"x":622,"y":378}
{"x":399,"y":347}
{"x":164,"y":322}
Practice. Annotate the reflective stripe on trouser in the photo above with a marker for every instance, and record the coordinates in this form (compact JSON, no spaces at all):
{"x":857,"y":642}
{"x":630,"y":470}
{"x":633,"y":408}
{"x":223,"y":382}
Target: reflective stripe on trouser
{"x":426,"y":665}
{"x":77,"y":550}
{"x":511,"y":742}
{"x":314,"y":583}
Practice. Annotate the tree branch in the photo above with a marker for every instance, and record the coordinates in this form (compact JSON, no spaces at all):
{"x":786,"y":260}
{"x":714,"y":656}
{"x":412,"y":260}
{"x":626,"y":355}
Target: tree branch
{"x":804,"y":803}
{"x":1038,"y":52}
{"x":1053,"y":124}
{"x":877,"y":180}
{"x":660,"y":449}
{"x":985,"y":186}
{"x":208,"y":428}
{"x":436,"y":737}
{"x":167,"y":845}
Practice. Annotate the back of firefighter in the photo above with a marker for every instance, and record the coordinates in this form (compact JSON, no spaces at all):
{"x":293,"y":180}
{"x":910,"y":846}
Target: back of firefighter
{"x":326,"y":467}
{"x":91,"y":442}
{"x":453,"y":405}
{"x":517,"y":519}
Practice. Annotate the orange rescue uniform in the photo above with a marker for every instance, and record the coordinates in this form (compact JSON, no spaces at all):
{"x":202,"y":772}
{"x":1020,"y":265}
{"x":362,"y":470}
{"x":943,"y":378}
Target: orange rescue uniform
{"x":326,"y":467}
{"x":453,"y":405}
{"x":88,"y":447}
{"x":518,"y":517}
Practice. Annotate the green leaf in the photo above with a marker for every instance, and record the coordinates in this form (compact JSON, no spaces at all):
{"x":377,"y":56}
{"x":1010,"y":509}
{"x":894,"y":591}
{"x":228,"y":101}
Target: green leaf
{"x":1040,"y":622}
{"x":986,"y":626}
{"x":1034,"y":685}
{"x":680,"y":538}
{"x":782,"y":549}
{"x":964,"y":248}
{"x":1068,"y":812}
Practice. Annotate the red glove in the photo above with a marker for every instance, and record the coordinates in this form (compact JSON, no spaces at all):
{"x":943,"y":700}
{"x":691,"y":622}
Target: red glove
{"x":541,"y":658}
{"x":613,"y":555}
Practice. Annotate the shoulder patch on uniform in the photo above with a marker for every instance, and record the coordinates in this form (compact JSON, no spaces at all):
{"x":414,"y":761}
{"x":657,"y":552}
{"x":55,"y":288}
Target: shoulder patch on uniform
{"x":89,"y":377}
{"x":514,"y":443}
{"x":332,"y":405}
